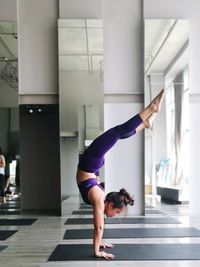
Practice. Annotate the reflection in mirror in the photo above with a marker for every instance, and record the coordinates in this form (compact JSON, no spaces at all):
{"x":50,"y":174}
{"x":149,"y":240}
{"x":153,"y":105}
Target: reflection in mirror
{"x":9,"y":118}
{"x":80,"y":44}
{"x":166,"y":143}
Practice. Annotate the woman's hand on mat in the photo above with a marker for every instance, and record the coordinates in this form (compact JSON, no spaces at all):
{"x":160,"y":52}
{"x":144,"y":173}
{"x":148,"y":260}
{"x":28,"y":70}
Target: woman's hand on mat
{"x":103,"y":254}
{"x":106,"y":245}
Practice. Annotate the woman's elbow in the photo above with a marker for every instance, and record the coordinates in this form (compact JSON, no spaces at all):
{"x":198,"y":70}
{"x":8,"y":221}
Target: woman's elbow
{"x":98,"y":229}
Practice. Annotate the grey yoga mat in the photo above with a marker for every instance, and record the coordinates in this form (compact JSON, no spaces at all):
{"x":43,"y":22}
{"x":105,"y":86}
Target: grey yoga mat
{"x":5,"y":234}
{"x":2,"y":248}
{"x":90,"y":211}
{"x":81,"y":252}
{"x":125,"y":220}
{"x":17,"y":221}
{"x":135,"y":233}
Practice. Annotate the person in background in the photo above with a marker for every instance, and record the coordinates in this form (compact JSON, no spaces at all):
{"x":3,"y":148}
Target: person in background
{"x":7,"y":190}
{"x":2,"y":173}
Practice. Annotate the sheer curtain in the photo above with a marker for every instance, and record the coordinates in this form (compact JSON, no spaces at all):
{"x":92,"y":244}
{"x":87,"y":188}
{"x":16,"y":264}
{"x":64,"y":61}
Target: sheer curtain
{"x":178,"y":105}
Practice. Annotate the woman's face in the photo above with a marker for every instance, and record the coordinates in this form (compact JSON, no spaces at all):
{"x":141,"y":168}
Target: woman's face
{"x":110,"y":211}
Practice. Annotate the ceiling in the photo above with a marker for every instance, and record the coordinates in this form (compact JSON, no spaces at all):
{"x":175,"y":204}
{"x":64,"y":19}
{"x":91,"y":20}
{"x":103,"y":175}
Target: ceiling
{"x":165,"y":42}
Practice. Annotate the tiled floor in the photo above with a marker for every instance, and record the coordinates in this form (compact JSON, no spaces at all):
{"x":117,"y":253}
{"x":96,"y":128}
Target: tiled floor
{"x":32,"y":245}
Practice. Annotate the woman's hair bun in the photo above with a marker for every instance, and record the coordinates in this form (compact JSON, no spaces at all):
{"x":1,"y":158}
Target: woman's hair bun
{"x":128,"y":200}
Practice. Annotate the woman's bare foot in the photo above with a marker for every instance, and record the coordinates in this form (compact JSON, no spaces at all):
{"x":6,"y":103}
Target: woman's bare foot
{"x":149,"y":121}
{"x":157,"y":101}
{"x":153,"y":107}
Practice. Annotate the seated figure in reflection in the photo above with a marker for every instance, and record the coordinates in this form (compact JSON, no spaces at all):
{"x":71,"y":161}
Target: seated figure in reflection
{"x":93,"y":159}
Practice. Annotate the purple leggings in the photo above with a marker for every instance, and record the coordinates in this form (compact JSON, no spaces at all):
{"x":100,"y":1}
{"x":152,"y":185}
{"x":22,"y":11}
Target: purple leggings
{"x":93,"y":158}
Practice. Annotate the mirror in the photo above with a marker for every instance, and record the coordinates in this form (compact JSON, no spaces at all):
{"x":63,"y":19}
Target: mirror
{"x":166,"y":143}
{"x":9,"y":116}
{"x":80,"y":43}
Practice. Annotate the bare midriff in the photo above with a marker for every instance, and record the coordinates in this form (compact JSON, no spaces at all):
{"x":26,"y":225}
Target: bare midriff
{"x":82,"y":176}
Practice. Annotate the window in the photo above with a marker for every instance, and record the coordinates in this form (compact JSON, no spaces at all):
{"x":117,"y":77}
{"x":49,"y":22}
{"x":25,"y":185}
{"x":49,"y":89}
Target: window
{"x":171,"y":138}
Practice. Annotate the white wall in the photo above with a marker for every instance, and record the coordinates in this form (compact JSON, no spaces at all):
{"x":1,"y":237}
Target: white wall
{"x":74,"y":9}
{"x":68,"y":174}
{"x":123,"y":163}
{"x":8,"y":10}
{"x":184,"y":9}
{"x":123,"y":46}
{"x":194,"y":183}
{"x":37,"y":35}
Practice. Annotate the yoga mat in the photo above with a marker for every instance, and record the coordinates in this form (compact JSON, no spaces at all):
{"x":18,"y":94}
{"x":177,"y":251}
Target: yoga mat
{"x":135,"y":233}
{"x":11,"y":206}
{"x":4,"y":234}
{"x":83,"y":212}
{"x":125,"y":220}
{"x":10,"y":211}
{"x":81,"y":252}
{"x":87,"y":207}
{"x":90,"y":211}
{"x":2,"y":248}
{"x":17,"y":221}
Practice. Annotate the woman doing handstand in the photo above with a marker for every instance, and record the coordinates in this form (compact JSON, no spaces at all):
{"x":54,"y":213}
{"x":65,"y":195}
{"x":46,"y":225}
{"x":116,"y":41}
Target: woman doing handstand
{"x":93,"y":159}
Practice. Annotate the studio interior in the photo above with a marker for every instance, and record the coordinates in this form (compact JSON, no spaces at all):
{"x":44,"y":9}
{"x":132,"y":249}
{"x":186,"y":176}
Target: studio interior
{"x":70,"y":73}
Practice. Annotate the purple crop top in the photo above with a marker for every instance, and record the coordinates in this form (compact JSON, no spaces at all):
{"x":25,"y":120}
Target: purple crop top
{"x":85,"y":186}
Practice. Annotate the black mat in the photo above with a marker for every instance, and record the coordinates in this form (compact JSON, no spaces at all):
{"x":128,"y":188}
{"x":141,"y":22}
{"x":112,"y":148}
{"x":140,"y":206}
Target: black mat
{"x":2,"y":248}
{"x":125,"y":220}
{"x":10,"y":206}
{"x":135,"y":233}
{"x":17,"y":221}
{"x":83,"y":212}
{"x":10,"y":212}
{"x":80,"y":252}
{"x":5,"y":234}
{"x":85,"y":207}
{"x":90,"y":211}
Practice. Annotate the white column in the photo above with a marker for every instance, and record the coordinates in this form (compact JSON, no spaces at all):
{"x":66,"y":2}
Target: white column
{"x":123,"y":77}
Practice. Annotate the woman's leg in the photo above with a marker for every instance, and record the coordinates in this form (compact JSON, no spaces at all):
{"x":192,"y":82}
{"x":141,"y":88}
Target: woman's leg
{"x":153,"y":107}
{"x":107,"y":140}
{"x":147,"y":124}
{"x":149,"y":113}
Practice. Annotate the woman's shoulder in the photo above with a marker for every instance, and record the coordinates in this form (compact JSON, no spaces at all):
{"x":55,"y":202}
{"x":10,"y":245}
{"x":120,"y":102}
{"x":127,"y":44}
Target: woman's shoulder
{"x":96,"y":196}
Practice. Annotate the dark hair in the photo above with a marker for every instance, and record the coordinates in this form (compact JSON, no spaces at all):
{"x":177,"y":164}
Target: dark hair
{"x":120,"y":199}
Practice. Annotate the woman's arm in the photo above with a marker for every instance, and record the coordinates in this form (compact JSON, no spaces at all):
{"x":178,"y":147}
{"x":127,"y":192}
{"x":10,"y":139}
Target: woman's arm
{"x":2,"y":161}
{"x":97,"y":197}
